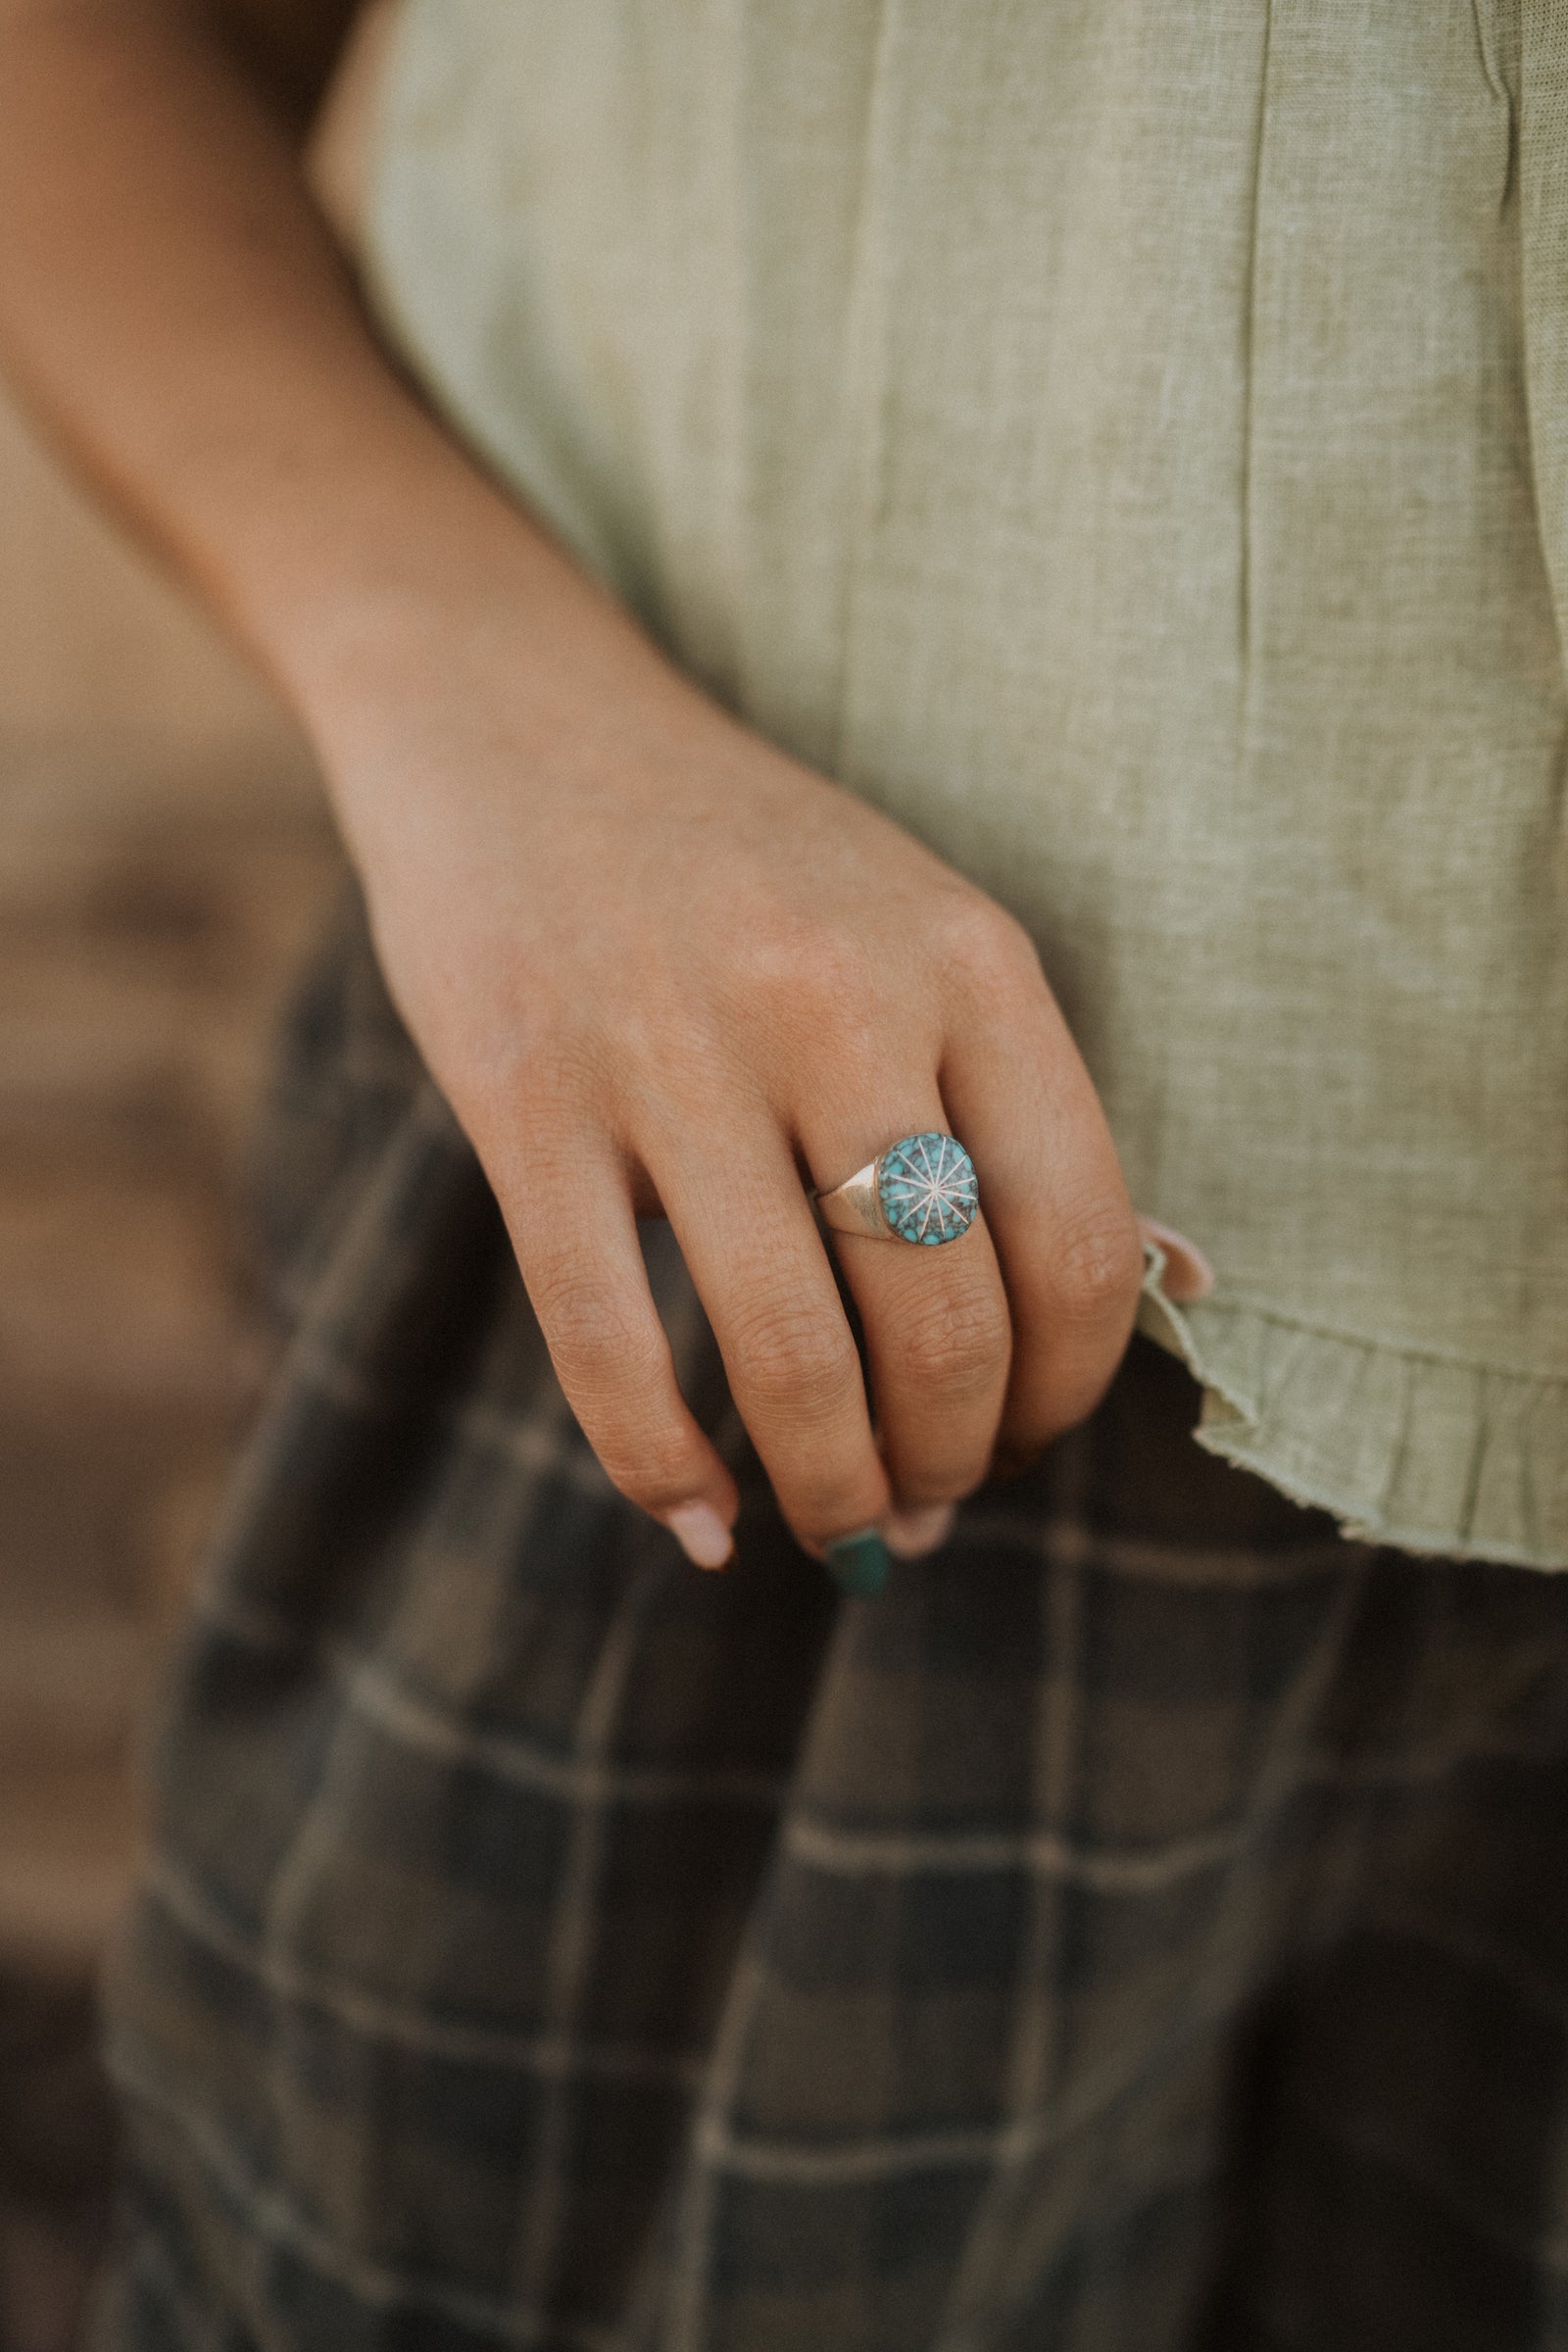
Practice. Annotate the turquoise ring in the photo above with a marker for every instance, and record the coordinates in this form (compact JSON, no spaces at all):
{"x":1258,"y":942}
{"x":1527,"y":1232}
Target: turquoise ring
{"x":922,"y":1189}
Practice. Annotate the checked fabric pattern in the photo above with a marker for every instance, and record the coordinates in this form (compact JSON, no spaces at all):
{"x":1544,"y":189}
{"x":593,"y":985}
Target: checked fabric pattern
{"x":1144,"y":1928}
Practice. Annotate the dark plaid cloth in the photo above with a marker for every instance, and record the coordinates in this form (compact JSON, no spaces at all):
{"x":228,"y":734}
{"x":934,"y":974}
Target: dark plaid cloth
{"x":1145,"y":1927}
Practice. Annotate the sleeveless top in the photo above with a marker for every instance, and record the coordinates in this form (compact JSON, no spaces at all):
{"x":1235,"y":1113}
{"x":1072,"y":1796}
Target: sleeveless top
{"x":1127,"y":440}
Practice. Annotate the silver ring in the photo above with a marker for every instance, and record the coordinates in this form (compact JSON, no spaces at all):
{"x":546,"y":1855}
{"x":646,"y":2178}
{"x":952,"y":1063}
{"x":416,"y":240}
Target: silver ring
{"x":922,"y":1189}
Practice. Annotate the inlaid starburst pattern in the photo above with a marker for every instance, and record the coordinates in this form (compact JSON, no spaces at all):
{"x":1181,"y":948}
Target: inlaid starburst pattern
{"x":927,"y":1188}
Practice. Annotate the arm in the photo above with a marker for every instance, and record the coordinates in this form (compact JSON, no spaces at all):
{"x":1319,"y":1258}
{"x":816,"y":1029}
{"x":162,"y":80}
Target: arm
{"x":172,"y":304}
{"x":652,"y":961}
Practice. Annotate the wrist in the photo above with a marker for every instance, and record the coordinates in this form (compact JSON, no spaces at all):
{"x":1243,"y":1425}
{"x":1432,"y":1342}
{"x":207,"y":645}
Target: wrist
{"x":446,"y":627}
{"x":372,"y":567}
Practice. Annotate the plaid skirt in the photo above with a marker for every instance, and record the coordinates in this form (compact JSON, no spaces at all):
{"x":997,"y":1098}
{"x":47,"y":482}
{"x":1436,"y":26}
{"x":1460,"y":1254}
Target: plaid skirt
{"x":1145,"y":1927}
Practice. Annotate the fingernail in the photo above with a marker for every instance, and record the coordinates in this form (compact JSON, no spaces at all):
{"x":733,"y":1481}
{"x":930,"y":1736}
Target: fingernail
{"x":858,"y":1563}
{"x":701,"y":1534}
{"x":910,"y":1535}
{"x":1188,"y":1273}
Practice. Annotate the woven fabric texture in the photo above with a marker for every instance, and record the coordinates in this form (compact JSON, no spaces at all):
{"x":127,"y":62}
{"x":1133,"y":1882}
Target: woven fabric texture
{"x":1128,"y":440}
{"x":1140,"y":1932}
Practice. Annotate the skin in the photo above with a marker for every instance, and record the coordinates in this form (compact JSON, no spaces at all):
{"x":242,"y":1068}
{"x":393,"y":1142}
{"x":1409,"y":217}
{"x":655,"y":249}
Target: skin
{"x":655,"y":963}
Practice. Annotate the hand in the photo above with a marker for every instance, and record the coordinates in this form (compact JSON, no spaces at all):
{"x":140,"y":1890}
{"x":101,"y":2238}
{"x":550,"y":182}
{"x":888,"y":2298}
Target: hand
{"x":653,"y":962}
{"x":657,"y":965}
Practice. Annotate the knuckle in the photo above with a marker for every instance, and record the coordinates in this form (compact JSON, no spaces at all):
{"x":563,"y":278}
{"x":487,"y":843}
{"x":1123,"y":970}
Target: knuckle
{"x":516,"y":1091}
{"x":542,"y":1062}
{"x":957,"y":1343}
{"x":796,"y":1360}
{"x":652,"y":1476}
{"x":615,"y":1375}
{"x":771,"y":950}
{"x":822,"y":1502}
{"x":598,"y":1347}
{"x":795,"y":962}
{"x":984,"y":947}
{"x":1098,"y":1267}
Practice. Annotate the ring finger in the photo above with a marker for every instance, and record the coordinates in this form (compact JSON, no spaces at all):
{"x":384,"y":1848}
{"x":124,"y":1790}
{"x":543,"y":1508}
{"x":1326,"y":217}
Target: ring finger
{"x":937,"y":1329}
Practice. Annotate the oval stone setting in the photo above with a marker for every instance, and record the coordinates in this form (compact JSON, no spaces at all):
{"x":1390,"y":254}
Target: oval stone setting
{"x":926,"y":1185}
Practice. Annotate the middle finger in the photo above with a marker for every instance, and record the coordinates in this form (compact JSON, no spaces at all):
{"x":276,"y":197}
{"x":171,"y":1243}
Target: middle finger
{"x":751,"y":1244}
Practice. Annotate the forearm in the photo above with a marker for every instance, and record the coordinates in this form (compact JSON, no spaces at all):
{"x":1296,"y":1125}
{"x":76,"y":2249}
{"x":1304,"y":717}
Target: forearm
{"x":172,"y":303}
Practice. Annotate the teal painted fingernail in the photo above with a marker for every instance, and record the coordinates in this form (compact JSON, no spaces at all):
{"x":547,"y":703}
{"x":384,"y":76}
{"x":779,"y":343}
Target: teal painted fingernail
{"x":858,"y":1564}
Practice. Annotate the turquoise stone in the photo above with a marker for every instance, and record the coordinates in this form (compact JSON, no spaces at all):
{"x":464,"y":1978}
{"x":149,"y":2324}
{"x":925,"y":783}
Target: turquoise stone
{"x":926,"y":1184}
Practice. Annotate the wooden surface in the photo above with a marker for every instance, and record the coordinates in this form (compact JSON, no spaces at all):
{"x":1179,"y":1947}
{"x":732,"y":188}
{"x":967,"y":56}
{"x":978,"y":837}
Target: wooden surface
{"x":163,"y":862}
{"x":148,"y":923}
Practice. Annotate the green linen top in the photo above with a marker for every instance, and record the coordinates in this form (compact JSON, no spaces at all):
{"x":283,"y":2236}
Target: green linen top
{"x":1128,"y":441}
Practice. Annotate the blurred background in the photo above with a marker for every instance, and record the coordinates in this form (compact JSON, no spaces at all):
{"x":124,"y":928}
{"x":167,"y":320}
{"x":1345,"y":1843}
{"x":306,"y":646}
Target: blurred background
{"x":165,"y":863}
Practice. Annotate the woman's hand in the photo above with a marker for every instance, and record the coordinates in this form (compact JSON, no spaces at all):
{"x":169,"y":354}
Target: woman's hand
{"x":657,"y":965}
{"x":652,"y":961}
